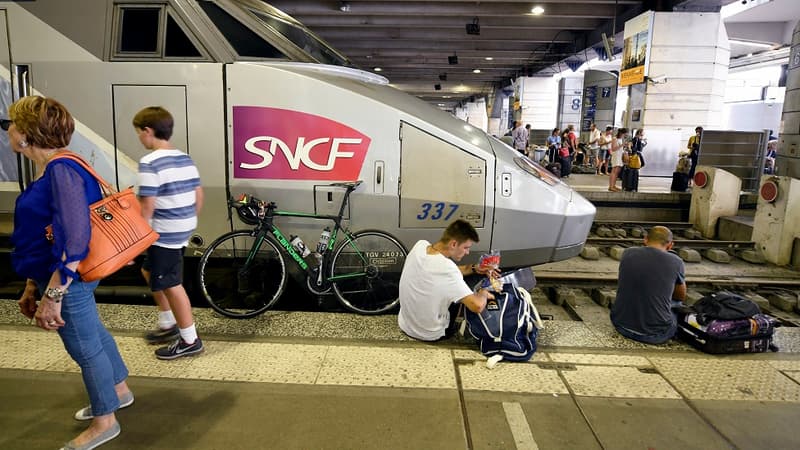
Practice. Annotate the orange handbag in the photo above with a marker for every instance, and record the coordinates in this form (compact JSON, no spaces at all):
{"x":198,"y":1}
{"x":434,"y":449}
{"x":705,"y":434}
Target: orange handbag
{"x":119,"y":232}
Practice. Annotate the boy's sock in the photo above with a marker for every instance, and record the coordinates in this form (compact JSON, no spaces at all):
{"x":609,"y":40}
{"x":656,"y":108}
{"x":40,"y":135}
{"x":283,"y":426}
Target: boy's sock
{"x":166,"y":320}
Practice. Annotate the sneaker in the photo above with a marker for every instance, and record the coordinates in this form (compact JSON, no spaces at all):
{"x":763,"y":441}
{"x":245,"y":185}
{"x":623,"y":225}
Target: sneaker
{"x":86,"y":413}
{"x":180,"y":348}
{"x":162,"y":336}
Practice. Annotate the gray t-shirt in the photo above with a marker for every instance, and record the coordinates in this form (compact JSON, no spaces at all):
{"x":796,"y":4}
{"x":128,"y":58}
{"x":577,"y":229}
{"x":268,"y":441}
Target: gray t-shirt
{"x":647,"y":278}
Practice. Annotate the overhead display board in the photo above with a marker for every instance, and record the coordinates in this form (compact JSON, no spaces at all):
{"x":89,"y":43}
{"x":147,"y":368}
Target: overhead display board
{"x":638,"y":37}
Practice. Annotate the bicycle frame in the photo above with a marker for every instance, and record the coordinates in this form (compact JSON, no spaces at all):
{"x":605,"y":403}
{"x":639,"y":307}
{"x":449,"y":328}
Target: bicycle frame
{"x":266,"y":225}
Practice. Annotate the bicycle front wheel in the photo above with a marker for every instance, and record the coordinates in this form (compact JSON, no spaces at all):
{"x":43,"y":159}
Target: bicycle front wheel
{"x":241,"y":274}
{"x":365,"y":271}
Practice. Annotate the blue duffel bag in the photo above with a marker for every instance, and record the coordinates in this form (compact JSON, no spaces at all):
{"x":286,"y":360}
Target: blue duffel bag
{"x":507,"y":328}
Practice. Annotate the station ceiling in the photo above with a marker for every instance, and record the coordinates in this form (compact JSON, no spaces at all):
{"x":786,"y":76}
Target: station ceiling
{"x":415,"y":43}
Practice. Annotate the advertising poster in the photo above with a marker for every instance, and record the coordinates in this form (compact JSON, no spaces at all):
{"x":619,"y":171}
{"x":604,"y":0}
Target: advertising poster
{"x":636,"y":49}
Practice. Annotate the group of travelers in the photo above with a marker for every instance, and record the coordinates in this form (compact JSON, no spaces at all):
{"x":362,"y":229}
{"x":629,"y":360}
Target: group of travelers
{"x":55,"y":297}
{"x":651,"y":283}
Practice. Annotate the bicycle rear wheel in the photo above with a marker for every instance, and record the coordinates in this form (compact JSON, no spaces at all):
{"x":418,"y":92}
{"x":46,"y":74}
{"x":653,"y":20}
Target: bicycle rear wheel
{"x":235,"y":286}
{"x":366,"y":272}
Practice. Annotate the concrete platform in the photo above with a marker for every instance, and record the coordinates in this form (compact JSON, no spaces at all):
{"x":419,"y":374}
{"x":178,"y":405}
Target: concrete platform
{"x":288,"y":381}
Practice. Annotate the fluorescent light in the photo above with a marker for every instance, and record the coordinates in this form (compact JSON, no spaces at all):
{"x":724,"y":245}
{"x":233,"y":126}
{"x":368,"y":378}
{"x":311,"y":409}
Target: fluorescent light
{"x":441,"y":104}
{"x":537,"y":11}
{"x":753,"y":43}
{"x":488,"y":58}
{"x":377,"y":69}
{"x":476,"y":70}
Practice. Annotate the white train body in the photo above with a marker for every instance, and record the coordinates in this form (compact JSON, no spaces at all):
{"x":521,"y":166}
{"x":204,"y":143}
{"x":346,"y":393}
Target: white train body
{"x":278,"y":128}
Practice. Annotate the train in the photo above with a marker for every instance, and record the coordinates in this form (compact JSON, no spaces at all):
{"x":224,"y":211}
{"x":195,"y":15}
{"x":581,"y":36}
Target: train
{"x":266,"y":107}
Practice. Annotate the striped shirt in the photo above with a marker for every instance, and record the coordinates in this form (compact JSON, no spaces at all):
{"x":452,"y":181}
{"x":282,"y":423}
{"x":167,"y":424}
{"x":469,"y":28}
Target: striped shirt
{"x":171,"y":177}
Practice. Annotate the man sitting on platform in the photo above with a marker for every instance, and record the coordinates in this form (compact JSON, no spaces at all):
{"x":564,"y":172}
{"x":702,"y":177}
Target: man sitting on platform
{"x":651,"y":282}
{"x":432,"y":285}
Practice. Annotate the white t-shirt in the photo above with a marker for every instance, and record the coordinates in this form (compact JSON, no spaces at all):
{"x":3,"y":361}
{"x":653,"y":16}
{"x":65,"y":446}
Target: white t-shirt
{"x":594,"y":136}
{"x":428,"y":285}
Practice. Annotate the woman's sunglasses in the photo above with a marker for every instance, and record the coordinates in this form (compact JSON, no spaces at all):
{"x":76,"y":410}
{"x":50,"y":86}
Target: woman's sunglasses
{"x":5,"y":124}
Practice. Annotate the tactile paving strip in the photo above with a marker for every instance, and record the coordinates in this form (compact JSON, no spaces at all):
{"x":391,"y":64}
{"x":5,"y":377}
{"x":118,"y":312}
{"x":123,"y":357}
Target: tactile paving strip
{"x":510,"y":377}
{"x":601,"y":359}
{"x":388,"y":366}
{"x":722,"y":379}
{"x":619,"y":382}
{"x":475,"y":355}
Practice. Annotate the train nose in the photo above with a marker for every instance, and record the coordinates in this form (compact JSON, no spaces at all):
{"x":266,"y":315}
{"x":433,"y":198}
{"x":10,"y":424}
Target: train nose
{"x":578,"y":219}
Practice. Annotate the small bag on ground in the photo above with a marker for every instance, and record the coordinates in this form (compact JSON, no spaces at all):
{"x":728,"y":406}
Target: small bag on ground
{"x":725,"y":322}
{"x":508,"y":326}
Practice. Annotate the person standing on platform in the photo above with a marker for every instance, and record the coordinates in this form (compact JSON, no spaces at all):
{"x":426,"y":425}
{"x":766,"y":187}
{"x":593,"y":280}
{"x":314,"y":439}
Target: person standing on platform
{"x":694,"y":151}
{"x":636,"y":159}
{"x":617,"y":150}
{"x":40,"y":129}
{"x":651,"y":282}
{"x":520,"y":136}
{"x":171,"y":198}
{"x":605,"y":146}
{"x":565,"y":155}
{"x":594,"y":148}
{"x":432,"y":285}
{"x":553,"y":145}
{"x":769,"y":157}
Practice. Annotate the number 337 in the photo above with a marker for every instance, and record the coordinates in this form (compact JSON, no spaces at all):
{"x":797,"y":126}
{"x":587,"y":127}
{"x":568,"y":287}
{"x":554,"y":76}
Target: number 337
{"x":435,"y":211}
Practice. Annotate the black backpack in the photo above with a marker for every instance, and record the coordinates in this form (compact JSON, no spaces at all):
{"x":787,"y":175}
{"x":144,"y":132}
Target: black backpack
{"x":724,"y":305}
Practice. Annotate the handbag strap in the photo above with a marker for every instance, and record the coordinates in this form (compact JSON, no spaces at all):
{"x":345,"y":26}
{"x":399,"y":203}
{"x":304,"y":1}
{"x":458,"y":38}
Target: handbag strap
{"x":107,"y":188}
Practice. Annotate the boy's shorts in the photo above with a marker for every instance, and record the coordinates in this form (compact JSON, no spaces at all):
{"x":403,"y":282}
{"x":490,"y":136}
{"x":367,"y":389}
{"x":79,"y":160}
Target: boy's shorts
{"x":165,"y":266}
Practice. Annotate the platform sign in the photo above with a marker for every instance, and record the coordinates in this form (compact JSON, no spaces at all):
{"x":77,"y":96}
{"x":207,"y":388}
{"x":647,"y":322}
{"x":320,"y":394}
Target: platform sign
{"x":636,"y":49}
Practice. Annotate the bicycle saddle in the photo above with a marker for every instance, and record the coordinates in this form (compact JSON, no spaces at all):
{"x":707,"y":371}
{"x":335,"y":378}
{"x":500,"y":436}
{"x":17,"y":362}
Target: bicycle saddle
{"x":351,"y":184}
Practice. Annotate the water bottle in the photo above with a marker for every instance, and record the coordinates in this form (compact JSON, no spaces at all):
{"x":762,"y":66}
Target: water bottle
{"x":324,"y":238}
{"x":299,"y":246}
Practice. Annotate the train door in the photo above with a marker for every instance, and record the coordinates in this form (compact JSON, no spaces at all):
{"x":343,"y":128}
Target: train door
{"x":439,"y":182}
{"x":130,"y":99}
{"x":9,"y":168}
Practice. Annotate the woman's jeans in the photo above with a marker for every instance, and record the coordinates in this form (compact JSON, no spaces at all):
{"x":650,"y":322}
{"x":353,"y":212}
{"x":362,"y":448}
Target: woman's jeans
{"x":91,"y":346}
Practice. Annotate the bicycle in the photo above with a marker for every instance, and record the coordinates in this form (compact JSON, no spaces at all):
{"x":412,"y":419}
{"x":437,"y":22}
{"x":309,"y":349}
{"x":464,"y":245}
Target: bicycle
{"x":244,"y":272}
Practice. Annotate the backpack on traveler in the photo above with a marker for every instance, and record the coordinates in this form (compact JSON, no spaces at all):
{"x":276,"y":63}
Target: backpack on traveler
{"x":508,"y":326}
{"x":724,"y":322}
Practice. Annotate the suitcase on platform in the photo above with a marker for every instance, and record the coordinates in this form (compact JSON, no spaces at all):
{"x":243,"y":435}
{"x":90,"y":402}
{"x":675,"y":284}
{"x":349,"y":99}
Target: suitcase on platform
{"x":680,"y":182}
{"x":751,"y":335}
{"x":630,"y":179}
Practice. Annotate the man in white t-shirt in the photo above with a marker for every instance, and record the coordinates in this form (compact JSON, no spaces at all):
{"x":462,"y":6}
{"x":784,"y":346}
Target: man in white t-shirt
{"x":432,"y":285}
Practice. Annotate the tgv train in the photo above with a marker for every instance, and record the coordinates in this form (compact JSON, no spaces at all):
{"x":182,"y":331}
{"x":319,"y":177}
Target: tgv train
{"x":265,"y":107}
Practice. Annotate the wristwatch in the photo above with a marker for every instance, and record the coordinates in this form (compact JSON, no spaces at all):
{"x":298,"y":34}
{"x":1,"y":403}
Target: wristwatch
{"x":55,"y":294}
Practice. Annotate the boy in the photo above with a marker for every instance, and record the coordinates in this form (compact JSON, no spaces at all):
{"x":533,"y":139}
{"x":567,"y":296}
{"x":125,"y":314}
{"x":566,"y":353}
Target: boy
{"x":171,"y":198}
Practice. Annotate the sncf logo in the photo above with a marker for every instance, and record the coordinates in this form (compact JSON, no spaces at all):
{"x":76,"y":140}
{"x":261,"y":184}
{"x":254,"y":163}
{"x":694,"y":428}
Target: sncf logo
{"x":271,"y":143}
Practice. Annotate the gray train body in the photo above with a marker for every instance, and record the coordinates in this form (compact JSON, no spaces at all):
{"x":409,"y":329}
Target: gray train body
{"x":278,"y":125}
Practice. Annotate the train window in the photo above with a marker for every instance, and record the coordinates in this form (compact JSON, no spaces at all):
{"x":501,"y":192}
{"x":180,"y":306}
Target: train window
{"x":139,"y":30}
{"x":536,"y":170}
{"x":177,"y":43}
{"x":304,"y":40}
{"x":243,"y":40}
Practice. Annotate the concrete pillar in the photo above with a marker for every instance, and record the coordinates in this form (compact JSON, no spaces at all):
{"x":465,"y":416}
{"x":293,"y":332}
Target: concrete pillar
{"x":570,"y":92}
{"x":539,"y":98}
{"x":603,"y":85}
{"x":777,"y":222}
{"x":788,"y":160}
{"x":713,"y":198}
{"x":688,"y":70}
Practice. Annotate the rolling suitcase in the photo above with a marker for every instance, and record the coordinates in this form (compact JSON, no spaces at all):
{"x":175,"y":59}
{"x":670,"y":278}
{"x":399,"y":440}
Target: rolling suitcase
{"x":751,"y":335}
{"x":630,"y":179}
{"x":680,"y":182}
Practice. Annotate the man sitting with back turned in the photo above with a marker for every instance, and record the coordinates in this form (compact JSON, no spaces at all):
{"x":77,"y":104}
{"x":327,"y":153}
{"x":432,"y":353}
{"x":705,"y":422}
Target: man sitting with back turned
{"x":651,"y":282}
{"x":432,"y":285}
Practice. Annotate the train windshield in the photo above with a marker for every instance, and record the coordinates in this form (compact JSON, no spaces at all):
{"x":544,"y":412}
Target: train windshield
{"x":303,"y":39}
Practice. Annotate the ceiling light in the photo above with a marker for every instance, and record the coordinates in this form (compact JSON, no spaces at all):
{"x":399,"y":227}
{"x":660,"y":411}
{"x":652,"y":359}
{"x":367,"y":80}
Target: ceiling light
{"x":344,"y":7}
{"x":488,"y":58}
{"x":447,"y":96}
{"x":377,"y":69}
{"x":537,"y":11}
{"x":452,"y":60}
{"x":437,"y":87}
{"x":476,"y":70}
{"x":474,"y":27}
{"x":441,"y":104}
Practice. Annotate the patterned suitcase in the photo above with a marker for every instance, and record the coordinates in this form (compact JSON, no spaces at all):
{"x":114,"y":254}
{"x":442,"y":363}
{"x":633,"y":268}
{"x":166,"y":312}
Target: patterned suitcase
{"x":752,"y":335}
